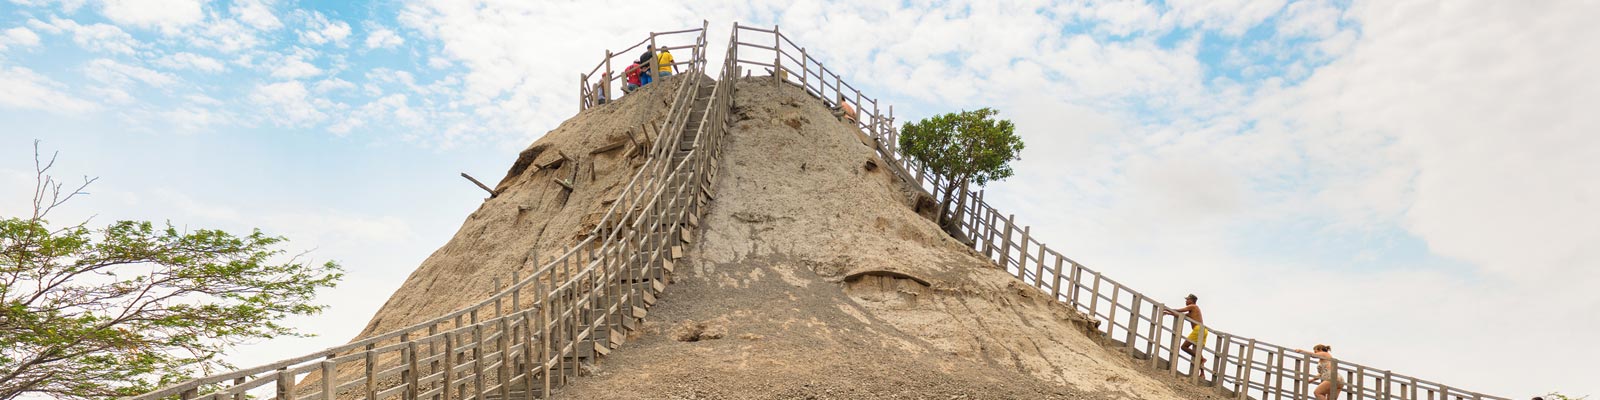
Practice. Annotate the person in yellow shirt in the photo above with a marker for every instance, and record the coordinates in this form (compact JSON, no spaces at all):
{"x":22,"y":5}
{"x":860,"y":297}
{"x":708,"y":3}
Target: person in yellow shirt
{"x":664,"y":59}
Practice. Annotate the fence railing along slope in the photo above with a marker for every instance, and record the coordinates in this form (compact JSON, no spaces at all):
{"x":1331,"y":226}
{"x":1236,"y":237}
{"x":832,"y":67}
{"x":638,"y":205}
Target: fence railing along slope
{"x":1238,"y":365}
{"x":528,"y":337}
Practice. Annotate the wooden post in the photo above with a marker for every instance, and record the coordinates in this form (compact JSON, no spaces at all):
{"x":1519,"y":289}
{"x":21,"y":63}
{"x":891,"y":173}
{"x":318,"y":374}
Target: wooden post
{"x":1133,"y":323}
{"x":372,"y":384}
{"x":1197,"y":368}
{"x":777,"y":55}
{"x":1278,"y":385}
{"x":449,"y":367}
{"x":803,"y":65}
{"x":1249,"y":364}
{"x":1055,"y":286}
{"x":1361,"y":382}
{"x":285,"y":383}
{"x":1094,"y":298}
{"x":1038,"y":265}
{"x":412,"y":369}
{"x":654,"y":63}
{"x":1074,"y":280}
{"x":1005,"y":245}
{"x":1154,"y":345}
{"x":330,"y":372}
{"x":1111,"y":315}
{"x":1387,"y":377}
{"x":477,"y":357}
{"x":1022,"y":254}
{"x":583,"y":88}
{"x":1177,"y":336}
{"x":502,"y":344}
{"x":1219,"y":367}
{"x":605,"y":85}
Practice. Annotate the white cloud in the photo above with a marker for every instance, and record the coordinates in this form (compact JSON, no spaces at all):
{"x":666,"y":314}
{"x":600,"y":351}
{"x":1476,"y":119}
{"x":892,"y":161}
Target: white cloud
{"x":257,"y":14}
{"x":27,"y":90}
{"x":290,"y":104}
{"x":190,"y":119}
{"x":226,"y":35}
{"x":191,"y":61}
{"x":18,"y":36}
{"x":66,"y":5}
{"x":167,"y":15}
{"x":295,"y":68}
{"x":383,"y":38}
{"x":122,"y":75}
{"x":333,"y":85}
{"x":320,"y":30}
{"x":96,"y":37}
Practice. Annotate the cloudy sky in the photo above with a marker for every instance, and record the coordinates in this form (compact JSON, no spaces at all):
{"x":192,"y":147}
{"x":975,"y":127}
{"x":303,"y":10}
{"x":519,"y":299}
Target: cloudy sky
{"x":1413,"y":182}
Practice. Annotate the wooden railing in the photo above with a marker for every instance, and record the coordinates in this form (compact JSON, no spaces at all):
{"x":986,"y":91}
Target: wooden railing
{"x":1241,"y":366}
{"x":527,"y":337}
{"x":603,"y":81}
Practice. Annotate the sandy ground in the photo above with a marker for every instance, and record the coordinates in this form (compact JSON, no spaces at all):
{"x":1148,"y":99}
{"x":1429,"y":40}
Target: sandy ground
{"x":531,"y":214}
{"x":814,"y":278}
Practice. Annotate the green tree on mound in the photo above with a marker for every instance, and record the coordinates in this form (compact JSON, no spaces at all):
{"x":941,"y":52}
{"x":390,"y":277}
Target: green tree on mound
{"x":966,"y":147}
{"x":115,"y":311}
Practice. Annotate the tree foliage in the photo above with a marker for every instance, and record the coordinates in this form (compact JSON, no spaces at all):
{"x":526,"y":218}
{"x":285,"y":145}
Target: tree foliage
{"x":969,"y":146}
{"x":115,"y":311}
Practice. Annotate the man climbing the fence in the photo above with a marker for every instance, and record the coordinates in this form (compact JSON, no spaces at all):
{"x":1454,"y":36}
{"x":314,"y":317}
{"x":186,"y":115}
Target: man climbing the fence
{"x":1197,"y":336}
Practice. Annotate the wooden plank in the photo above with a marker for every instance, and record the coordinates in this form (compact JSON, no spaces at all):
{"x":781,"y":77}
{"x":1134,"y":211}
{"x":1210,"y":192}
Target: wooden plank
{"x":677,"y":252}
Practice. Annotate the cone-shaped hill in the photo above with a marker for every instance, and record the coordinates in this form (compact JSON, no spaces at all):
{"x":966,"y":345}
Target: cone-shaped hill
{"x":812,"y":275}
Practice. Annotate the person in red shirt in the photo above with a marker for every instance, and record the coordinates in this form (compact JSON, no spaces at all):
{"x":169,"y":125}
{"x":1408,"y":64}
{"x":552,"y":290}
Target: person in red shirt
{"x":632,"y":72}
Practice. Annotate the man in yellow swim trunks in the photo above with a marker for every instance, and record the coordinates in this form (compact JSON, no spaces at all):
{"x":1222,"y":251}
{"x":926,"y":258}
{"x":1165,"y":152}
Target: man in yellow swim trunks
{"x":1197,"y":336}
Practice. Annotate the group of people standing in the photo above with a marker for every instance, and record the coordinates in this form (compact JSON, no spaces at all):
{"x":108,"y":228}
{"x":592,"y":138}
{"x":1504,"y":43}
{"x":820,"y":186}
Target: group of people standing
{"x":638,"y":74}
{"x":1327,"y":372}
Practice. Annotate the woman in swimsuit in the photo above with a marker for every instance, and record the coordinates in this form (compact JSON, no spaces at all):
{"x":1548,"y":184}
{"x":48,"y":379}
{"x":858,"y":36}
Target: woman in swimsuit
{"x":1326,"y":372}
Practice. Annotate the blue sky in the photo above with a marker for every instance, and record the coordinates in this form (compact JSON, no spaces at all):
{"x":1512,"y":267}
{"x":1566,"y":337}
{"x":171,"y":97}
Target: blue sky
{"x":1416,"y":172}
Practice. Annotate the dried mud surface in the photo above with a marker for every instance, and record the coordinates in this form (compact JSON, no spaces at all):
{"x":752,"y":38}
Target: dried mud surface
{"x":814,"y":278}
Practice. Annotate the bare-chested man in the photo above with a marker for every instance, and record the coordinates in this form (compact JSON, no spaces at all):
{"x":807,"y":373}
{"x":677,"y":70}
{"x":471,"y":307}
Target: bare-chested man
{"x":1197,"y":336}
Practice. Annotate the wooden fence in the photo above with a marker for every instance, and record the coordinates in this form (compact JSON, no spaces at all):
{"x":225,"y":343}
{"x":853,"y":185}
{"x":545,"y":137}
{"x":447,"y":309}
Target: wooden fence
{"x":1240,"y":366}
{"x":603,"y":81}
{"x":533,"y":334}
